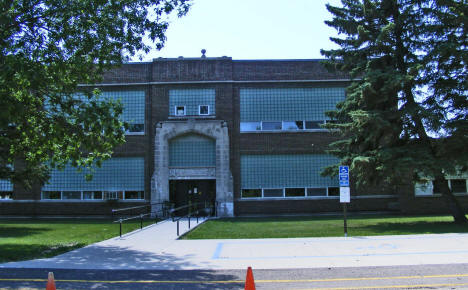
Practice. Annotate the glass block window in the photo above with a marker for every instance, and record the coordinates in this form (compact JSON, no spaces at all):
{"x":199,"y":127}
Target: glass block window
{"x":192,"y":99}
{"x":286,"y":171}
{"x":133,"y":107}
{"x":6,"y":185}
{"x":115,"y":174}
{"x":290,"y":104}
{"x":192,"y":151}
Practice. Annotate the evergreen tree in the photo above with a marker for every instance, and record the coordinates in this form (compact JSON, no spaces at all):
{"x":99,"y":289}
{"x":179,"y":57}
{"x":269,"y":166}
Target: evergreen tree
{"x":405,"y":115}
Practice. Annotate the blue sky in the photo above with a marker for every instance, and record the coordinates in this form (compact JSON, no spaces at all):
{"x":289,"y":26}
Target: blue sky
{"x":250,"y":29}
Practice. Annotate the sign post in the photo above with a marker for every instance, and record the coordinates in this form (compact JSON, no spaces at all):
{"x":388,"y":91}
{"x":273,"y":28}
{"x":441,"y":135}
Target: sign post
{"x":345,"y":196}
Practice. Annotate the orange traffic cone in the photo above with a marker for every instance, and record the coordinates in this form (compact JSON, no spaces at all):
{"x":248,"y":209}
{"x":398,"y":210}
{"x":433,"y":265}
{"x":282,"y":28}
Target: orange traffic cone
{"x":249,"y":280}
{"x":50,"y":282}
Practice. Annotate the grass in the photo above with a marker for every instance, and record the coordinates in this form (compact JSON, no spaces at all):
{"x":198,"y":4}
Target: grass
{"x":296,"y":227}
{"x":32,"y":239}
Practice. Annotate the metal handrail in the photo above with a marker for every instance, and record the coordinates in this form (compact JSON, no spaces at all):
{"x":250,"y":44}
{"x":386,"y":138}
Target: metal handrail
{"x":164,"y":210}
{"x":140,"y":216}
{"x":129,"y":208}
{"x":190,"y":213}
{"x":135,"y":207}
{"x":189,"y":206}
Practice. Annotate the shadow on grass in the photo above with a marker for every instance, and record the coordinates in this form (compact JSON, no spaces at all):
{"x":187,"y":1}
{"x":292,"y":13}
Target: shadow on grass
{"x":23,"y":231}
{"x":20,"y":252}
{"x":420,"y":227}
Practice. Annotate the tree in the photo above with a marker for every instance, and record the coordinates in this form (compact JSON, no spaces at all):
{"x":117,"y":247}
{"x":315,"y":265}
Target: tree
{"x":48,"y":48}
{"x":405,"y":115}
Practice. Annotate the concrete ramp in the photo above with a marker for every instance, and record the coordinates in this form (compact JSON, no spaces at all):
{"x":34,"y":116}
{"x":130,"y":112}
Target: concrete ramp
{"x":135,"y":250}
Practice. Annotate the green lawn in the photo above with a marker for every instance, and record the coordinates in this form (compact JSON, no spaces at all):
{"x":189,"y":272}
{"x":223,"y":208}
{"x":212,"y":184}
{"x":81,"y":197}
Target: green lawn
{"x":31,"y":239}
{"x":295,"y":227}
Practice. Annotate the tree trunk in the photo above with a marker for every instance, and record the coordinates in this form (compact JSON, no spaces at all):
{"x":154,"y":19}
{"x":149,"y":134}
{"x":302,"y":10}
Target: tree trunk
{"x":453,"y":205}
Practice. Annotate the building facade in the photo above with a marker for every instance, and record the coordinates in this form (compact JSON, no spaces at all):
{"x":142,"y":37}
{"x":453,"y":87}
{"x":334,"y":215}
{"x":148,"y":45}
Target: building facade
{"x":244,"y":133}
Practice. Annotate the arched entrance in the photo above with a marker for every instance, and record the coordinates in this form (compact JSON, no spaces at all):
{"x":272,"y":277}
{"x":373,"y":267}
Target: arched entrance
{"x":178,"y":171}
{"x":188,"y":154}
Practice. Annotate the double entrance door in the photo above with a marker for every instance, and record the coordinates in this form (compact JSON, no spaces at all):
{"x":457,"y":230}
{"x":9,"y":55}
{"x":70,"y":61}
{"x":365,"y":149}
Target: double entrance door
{"x":202,"y":191}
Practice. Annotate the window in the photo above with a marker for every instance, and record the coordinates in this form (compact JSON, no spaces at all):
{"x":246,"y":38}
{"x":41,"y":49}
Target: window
{"x":5,"y":195}
{"x":292,"y":192}
{"x":281,"y":126}
{"x":203,"y":110}
{"x":288,"y":104}
{"x":71,"y":195}
{"x":293,"y":125}
{"x":293,"y":172}
{"x":115,"y":174}
{"x":250,"y":126}
{"x":424,"y":187}
{"x":313,"y":125}
{"x":134,"y":195}
{"x":458,"y":185}
{"x":276,"y":192}
{"x":133,"y":103}
{"x":427,"y":188}
{"x":316,"y":191}
{"x":111,"y":195}
{"x":271,"y":126}
{"x":180,"y":110}
{"x":91,"y":195}
{"x":196,"y":102}
{"x":87,"y":195}
{"x":136,"y":128}
{"x":192,"y":150}
{"x":51,"y":195}
{"x":249,"y":193}
{"x":333,"y":191}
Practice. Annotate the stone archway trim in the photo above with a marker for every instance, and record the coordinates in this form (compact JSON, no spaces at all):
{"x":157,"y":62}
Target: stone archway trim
{"x":217,"y":130}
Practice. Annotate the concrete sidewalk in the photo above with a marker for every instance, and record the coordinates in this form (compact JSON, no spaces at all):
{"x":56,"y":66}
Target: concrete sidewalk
{"x":156,"y":247}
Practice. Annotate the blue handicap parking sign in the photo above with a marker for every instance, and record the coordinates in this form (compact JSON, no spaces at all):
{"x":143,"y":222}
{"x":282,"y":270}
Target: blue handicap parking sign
{"x":344,"y":175}
{"x":344,"y":169}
